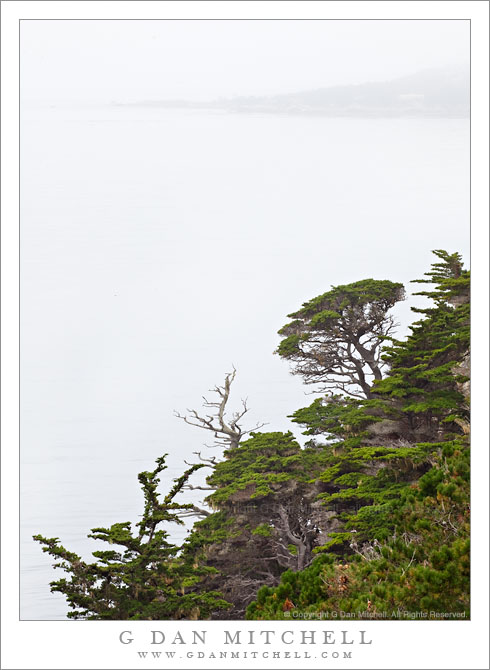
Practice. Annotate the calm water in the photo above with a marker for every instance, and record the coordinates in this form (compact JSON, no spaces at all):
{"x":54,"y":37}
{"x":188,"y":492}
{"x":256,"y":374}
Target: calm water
{"x":158,"y":248}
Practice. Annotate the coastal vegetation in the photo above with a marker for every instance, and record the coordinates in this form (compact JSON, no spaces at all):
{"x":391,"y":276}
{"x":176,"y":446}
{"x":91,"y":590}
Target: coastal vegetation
{"x":370,"y":518}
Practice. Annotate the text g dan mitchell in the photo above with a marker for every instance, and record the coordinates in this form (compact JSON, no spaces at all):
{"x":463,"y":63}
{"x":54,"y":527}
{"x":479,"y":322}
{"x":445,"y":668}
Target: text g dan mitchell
{"x":251,"y":637}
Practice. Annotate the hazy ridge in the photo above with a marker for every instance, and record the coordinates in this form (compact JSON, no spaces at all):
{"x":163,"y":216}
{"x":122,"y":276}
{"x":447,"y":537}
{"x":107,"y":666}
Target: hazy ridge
{"x":429,"y":93}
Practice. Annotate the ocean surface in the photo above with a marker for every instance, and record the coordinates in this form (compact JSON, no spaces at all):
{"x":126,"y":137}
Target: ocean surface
{"x":161,"y":247}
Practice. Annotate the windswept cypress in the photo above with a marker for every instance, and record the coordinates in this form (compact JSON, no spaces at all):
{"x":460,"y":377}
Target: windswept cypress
{"x":370,"y":518}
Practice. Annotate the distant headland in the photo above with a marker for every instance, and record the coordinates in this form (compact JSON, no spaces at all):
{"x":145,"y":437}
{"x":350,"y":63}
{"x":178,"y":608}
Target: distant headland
{"x":438,"y":93}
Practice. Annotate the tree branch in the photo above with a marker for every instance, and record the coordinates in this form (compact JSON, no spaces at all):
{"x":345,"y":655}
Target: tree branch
{"x":227,"y":432}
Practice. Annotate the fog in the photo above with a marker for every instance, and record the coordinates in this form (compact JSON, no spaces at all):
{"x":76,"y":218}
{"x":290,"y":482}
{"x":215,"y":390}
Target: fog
{"x":159,"y":247}
{"x":87,"y":61}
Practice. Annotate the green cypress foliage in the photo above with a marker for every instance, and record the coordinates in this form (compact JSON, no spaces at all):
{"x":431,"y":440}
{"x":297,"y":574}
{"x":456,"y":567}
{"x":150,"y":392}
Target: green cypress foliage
{"x":266,"y":518}
{"x":398,"y":478}
{"x":147,"y":579}
{"x":424,"y":380}
{"x":422,"y":567}
{"x":259,"y":466}
{"x":371,"y":518}
{"x":335,"y":339}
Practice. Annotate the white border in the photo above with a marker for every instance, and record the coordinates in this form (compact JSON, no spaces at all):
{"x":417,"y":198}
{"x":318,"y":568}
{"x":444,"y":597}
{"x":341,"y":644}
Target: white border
{"x":95,"y":645}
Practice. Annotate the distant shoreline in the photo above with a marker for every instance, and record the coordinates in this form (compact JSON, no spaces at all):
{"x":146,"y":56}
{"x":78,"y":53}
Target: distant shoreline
{"x":325,"y":113}
{"x":438,"y":93}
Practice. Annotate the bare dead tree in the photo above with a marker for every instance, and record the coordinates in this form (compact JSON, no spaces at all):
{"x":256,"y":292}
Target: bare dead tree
{"x":299,"y":531}
{"x":227,"y":431}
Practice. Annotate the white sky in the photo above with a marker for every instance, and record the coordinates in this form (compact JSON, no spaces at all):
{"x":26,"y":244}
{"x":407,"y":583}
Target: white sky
{"x":133,"y":60}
